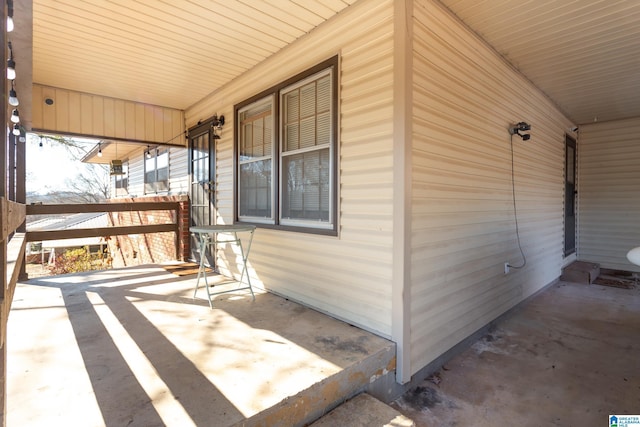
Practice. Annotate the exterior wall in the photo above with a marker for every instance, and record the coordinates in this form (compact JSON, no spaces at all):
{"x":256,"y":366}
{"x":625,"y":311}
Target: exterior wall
{"x":155,"y":247}
{"x":609,"y":193}
{"x":349,"y":275}
{"x":178,"y":170}
{"x":465,"y":96}
{"x":178,"y":173}
{"x":136,"y":175}
{"x":76,"y":113}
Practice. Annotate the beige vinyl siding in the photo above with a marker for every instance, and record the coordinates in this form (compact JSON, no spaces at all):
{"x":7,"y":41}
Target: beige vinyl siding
{"x":82,"y":114}
{"x":609,"y":193}
{"x":178,"y":170}
{"x":136,"y":176}
{"x":349,"y":275}
{"x":463,"y":230}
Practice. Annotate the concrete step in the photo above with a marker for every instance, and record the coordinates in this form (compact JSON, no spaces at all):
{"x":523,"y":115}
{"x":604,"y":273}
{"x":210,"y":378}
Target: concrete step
{"x":364,"y":411}
{"x":580,"y":272}
{"x":369,"y":372}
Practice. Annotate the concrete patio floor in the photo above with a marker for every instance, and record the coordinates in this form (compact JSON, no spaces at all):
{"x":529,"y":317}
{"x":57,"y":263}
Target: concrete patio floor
{"x":568,"y":357}
{"x":130,"y":347}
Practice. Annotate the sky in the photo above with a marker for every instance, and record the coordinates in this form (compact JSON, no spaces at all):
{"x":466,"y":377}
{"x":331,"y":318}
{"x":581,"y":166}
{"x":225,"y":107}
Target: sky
{"x":49,"y":166}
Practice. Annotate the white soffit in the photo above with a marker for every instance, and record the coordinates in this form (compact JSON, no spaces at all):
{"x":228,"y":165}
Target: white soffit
{"x":167,"y":53}
{"x":584,"y":54}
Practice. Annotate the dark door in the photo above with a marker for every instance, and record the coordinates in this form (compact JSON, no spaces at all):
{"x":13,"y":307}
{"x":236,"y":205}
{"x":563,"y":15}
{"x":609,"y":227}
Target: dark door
{"x":570,"y":196}
{"x":202,"y":191}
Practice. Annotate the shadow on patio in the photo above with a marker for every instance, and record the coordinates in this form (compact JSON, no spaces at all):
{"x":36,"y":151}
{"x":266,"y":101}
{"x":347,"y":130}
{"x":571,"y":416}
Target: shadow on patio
{"x":130,"y":347}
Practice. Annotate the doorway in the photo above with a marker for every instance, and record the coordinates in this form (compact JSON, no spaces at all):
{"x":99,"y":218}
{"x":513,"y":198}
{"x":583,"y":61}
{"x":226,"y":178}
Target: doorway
{"x":202,"y":187}
{"x":570,"y":197}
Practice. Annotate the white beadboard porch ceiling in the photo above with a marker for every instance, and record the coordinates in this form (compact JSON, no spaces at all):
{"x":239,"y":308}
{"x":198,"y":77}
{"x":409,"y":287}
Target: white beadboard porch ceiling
{"x":584,"y":54}
{"x":170,"y":53}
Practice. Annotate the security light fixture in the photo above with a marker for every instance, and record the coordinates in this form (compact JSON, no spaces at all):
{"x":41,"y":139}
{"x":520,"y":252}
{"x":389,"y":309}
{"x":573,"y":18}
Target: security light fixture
{"x":521,"y":127}
{"x":216,"y":125}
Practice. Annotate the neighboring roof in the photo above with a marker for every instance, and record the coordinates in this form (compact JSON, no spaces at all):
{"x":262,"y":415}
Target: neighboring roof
{"x":62,"y":222}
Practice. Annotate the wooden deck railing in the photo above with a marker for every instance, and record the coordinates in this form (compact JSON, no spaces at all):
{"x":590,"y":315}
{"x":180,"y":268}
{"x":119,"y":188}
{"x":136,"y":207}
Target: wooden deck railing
{"x":73,"y":233}
{"x":12,"y":216}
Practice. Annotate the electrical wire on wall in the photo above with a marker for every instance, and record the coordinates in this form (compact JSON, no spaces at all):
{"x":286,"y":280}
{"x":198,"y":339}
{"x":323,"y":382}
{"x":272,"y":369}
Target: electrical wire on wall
{"x":515,"y":130}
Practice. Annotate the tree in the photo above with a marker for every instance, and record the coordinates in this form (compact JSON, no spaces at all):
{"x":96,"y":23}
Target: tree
{"x":93,"y":185}
{"x":92,"y":182}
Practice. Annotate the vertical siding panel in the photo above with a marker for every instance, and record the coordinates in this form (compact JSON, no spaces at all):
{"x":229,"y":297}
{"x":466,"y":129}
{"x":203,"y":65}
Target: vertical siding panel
{"x":99,"y":117}
{"x":36,"y":106}
{"x":130,"y":120}
{"x":609,"y":193}
{"x":167,"y":126}
{"x":73,"y":113}
{"x":86,"y":115}
{"x":110,"y":117}
{"x":177,"y":134}
{"x":61,"y":105}
{"x":139,"y":122}
{"x":95,"y":116}
{"x":463,"y":228}
{"x":149,"y":124}
{"x":156,"y":124}
{"x":348,"y":276}
{"x":120,"y":113}
{"x":49,"y":119}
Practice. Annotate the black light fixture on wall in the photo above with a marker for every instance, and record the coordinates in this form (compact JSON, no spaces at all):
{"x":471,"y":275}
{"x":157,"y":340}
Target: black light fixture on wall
{"x":521,"y":127}
{"x":216,"y":125}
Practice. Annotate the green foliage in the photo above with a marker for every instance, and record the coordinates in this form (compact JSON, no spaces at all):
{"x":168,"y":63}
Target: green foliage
{"x":77,"y":260}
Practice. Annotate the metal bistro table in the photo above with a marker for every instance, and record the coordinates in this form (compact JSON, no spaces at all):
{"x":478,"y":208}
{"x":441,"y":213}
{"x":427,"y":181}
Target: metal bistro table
{"x":222,"y":234}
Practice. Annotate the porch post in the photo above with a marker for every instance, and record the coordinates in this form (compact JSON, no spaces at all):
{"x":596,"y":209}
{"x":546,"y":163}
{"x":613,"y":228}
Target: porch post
{"x":21,"y":193}
{"x":3,"y":246}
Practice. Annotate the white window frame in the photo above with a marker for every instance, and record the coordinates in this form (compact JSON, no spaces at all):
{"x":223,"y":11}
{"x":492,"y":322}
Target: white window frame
{"x":275,"y":95}
{"x":119,"y":180}
{"x":281,"y":153}
{"x":154,"y":183}
{"x":247,"y":218}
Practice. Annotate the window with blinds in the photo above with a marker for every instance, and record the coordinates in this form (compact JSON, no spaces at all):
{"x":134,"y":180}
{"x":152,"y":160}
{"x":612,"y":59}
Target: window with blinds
{"x":306,"y":142}
{"x":286,"y":156}
{"x":255,"y":156}
{"x":156,"y":171}
{"x":122,"y":181}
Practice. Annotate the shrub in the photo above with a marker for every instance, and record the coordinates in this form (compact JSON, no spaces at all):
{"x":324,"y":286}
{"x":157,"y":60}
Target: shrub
{"x":76,"y":260}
